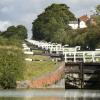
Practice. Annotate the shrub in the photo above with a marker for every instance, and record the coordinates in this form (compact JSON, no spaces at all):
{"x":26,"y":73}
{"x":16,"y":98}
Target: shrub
{"x":11,"y":67}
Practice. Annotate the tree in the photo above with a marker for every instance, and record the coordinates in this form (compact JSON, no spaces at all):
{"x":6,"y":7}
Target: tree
{"x":11,"y":67}
{"x":98,"y":9}
{"x":51,"y":24}
{"x":11,"y":31}
{"x":19,"y":32}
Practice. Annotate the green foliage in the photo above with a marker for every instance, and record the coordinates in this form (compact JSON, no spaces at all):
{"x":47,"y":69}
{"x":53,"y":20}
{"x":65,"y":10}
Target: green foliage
{"x":10,"y":42}
{"x":13,"y":36}
{"x":11,"y":56}
{"x":38,"y":68}
{"x":98,"y":9}
{"x":22,"y":32}
{"x":3,"y":41}
{"x":53,"y":23}
{"x":11,"y":31}
{"x":19,"y":32}
{"x":97,"y":19}
{"x":11,"y":67}
{"x":89,"y":37}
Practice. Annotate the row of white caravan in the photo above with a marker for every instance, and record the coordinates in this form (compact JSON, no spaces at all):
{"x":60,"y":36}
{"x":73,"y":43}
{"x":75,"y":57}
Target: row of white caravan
{"x":71,"y":54}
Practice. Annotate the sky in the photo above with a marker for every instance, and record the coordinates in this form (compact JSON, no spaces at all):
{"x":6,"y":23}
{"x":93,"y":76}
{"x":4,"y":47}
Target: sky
{"x":15,"y":12}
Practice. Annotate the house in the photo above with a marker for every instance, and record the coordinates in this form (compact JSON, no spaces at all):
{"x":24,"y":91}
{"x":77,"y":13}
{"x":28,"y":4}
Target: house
{"x":84,"y":18}
{"x":79,"y":23}
{"x":73,"y":24}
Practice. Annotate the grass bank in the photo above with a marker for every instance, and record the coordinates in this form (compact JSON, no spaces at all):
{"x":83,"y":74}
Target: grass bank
{"x":37,"y":68}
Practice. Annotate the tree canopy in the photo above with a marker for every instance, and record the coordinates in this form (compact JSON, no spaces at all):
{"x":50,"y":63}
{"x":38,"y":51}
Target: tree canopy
{"x":18,"y":32}
{"x":53,"y":23}
{"x":98,"y":9}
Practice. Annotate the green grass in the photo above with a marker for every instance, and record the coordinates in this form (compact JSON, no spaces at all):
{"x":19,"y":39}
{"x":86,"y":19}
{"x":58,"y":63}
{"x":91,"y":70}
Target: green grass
{"x":34,"y":69}
{"x":38,"y":57}
{"x":37,"y":68}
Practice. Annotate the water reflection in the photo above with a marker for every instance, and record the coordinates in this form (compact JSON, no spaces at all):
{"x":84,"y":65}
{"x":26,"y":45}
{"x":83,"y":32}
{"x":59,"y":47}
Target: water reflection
{"x":45,"y":94}
{"x":82,"y":99}
{"x":82,"y":95}
{"x":9,"y":98}
{"x":48,"y":94}
{"x":33,"y":98}
{"x":33,"y":93}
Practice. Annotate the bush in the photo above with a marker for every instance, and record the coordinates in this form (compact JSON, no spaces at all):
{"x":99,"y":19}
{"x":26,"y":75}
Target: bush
{"x":11,"y":67}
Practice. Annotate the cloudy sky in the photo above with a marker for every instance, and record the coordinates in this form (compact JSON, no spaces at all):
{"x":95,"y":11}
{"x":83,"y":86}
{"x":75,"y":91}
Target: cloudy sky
{"x":14,"y":12}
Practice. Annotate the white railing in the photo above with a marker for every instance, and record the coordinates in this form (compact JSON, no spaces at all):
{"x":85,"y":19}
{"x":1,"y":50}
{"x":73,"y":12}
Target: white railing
{"x":82,"y":56}
{"x":71,"y":54}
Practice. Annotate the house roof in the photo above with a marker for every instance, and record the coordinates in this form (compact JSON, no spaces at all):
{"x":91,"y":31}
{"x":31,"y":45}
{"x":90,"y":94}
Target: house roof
{"x":84,"y":18}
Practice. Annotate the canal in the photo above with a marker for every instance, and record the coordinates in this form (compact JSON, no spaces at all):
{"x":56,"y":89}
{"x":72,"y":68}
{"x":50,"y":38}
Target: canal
{"x":49,"y":94}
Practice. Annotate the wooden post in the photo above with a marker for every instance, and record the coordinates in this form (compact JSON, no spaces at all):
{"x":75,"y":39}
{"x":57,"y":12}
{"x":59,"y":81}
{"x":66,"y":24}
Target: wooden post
{"x":93,"y":56}
{"x":82,"y":75}
{"x":84,"y":60}
{"x":74,"y":57}
{"x":65,"y":57}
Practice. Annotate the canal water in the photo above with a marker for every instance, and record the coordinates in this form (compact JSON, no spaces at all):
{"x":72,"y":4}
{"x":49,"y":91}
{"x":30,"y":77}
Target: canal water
{"x":49,"y":94}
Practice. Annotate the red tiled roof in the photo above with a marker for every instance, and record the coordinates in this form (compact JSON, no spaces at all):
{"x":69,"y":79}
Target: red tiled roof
{"x":84,"y":18}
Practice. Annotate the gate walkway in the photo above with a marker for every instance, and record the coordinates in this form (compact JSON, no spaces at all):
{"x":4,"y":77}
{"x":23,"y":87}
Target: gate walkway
{"x":78,"y":75}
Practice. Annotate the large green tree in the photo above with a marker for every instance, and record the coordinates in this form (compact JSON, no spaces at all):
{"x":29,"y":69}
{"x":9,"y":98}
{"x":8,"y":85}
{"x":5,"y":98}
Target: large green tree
{"x":88,"y":38}
{"x":52,"y":24}
{"x":18,"y":32}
